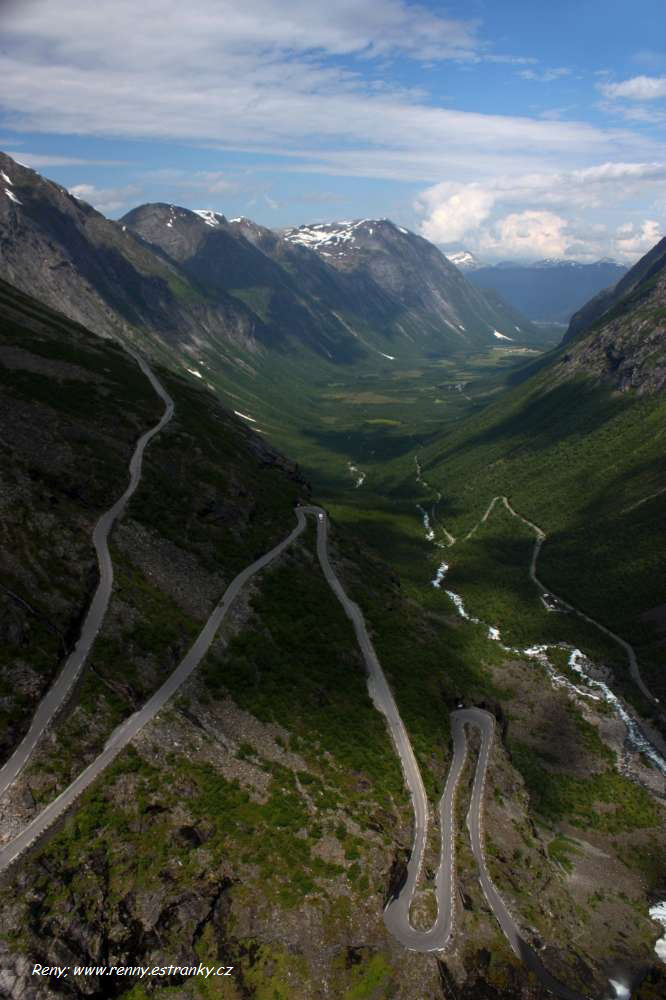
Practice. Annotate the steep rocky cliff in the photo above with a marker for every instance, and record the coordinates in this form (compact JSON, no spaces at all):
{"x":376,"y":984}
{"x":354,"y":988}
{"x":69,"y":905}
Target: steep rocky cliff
{"x":58,"y":248}
{"x":620,"y":336}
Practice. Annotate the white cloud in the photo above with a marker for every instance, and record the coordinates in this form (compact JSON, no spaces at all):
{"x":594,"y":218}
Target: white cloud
{"x":513,"y":215}
{"x":211,"y":181}
{"x":451,"y":213}
{"x":307,"y":85}
{"x":554,"y":114}
{"x":105,"y":200}
{"x":640,"y":113}
{"x":511,"y":60}
{"x":202,"y":27}
{"x":632,"y":241}
{"x":638,"y":88}
{"x":53,"y":160}
{"x":267,"y":77}
{"x":546,"y":76}
{"x":528,"y":234}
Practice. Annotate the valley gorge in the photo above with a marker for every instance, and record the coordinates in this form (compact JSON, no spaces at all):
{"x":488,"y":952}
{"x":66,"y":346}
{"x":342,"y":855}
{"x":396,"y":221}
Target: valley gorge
{"x":341,"y":387}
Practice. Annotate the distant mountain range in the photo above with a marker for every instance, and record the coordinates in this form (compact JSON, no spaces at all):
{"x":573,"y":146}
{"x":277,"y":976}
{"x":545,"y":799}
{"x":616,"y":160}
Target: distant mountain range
{"x":233,"y":293}
{"x":547,"y":291}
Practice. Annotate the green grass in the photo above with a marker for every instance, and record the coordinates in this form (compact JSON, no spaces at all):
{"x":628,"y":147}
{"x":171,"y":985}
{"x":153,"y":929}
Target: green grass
{"x":430,"y":662}
{"x":257,"y":298}
{"x":575,"y":458}
{"x":182,"y":289}
{"x":490,"y":571}
{"x":607,"y":802}
{"x":138,"y":844}
{"x":368,"y":979}
{"x":303,"y":672}
{"x":563,"y":850}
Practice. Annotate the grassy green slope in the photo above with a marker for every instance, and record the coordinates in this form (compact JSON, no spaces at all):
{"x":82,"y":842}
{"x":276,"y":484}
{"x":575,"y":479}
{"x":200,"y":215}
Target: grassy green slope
{"x":259,"y":819}
{"x":76,"y":405}
{"x":587,"y":465}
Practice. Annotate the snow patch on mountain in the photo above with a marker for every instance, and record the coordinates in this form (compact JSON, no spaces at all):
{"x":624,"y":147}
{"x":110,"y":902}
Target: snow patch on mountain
{"x":463,"y":259}
{"x":12,"y":196}
{"x":323,"y":234}
{"x":5,"y":178}
{"x":501,"y":336}
{"x":210,"y":218}
{"x":325,"y":237}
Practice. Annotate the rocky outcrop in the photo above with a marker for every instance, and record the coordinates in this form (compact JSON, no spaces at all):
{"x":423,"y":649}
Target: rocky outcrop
{"x":99,"y":273}
{"x":620,"y":337}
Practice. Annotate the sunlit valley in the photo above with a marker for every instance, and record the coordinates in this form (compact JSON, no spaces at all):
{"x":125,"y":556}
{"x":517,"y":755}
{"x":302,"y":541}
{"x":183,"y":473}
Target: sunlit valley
{"x":333,"y":542}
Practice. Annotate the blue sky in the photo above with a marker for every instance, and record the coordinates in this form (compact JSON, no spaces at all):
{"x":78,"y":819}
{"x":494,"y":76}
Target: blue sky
{"x":514,"y":129}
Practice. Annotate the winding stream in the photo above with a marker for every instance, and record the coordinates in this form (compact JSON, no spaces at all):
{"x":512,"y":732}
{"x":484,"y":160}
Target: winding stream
{"x":658,"y":914}
{"x":591,"y":688}
{"x":577,"y":659}
{"x":359,"y":476}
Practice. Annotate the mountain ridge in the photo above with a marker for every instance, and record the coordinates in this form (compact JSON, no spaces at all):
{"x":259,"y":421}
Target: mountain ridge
{"x":608,"y":298}
{"x":174,"y":280}
{"x":548,"y":290}
{"x":374,"y":272}
{"x":620,"y":336}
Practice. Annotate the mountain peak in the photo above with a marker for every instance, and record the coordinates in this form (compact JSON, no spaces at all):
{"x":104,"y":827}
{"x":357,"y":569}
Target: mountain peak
{"x":210,"y":217}
{"x":464,"y":259}
{"x":339,"y":239}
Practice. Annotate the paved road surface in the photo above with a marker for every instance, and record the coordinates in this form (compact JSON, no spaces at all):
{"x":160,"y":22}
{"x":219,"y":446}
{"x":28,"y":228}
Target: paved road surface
{"x":384,"y":701}
{"x":59,"y":691}
{"x":634,"y":669}
{"x":540,"y":538}
{"x":396,"y":914}
{"x":486,"y":724}
{"x":126,"y":732}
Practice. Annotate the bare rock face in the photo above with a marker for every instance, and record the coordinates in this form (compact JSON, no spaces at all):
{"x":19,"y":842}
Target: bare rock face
{"x":380,"y":259}
{"x":171,"y":278}
{"x":620,"y":336}
{"x":627,"y":352}
{"x":100,"y":273}
{"x":15,"y":979}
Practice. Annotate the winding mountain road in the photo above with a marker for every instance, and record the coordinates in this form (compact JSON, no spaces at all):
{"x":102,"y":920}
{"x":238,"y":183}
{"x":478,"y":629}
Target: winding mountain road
{"x":486,"y":724}
{"x":396,"y":914}
{"x":540,"y":537}
{"x":58,"y":693}
{"x":125,"y":733}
